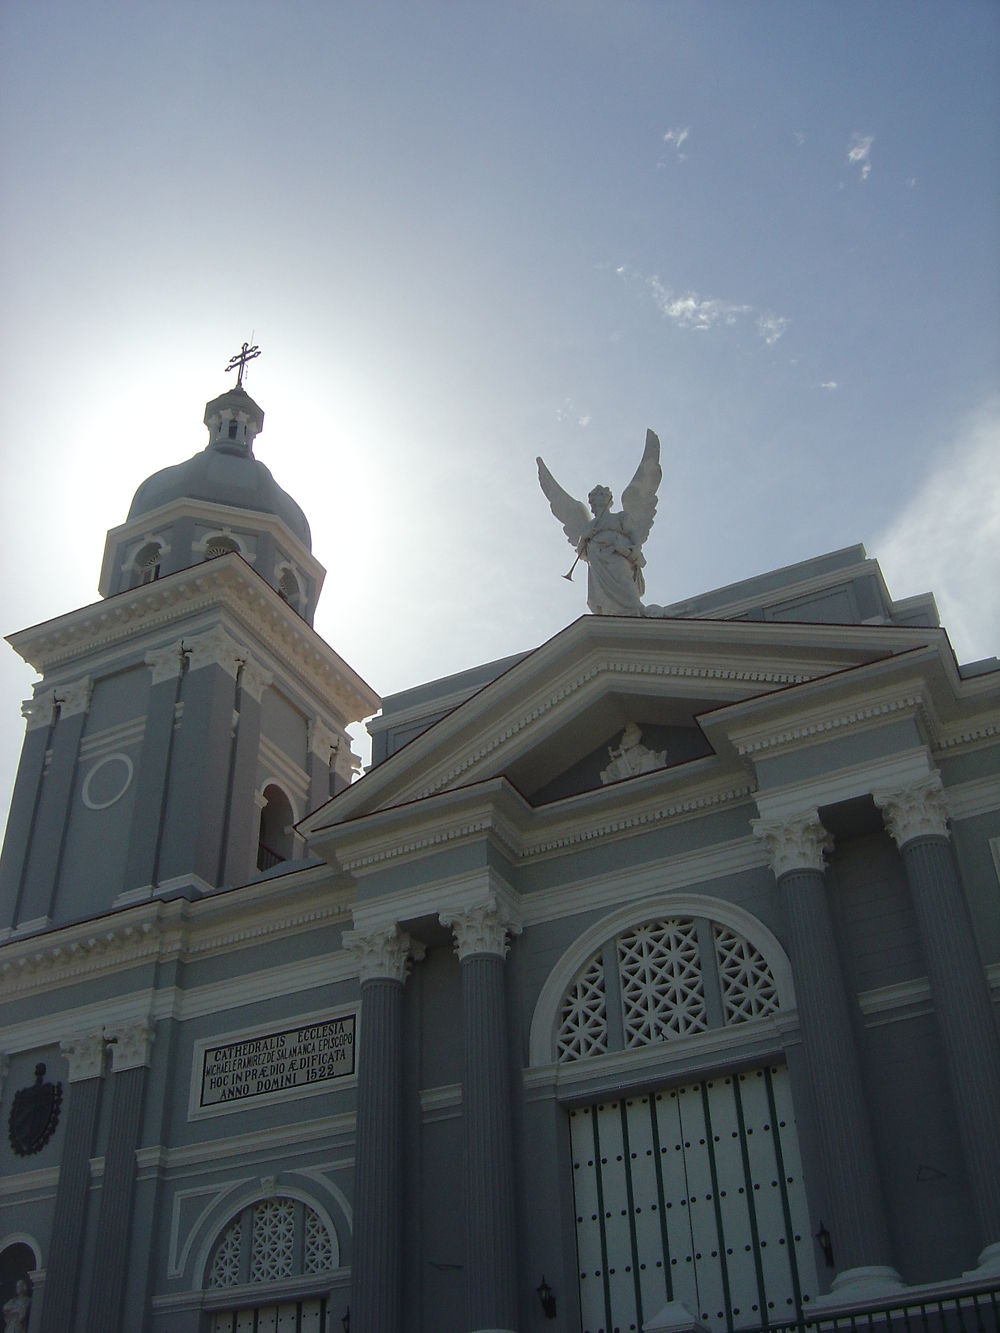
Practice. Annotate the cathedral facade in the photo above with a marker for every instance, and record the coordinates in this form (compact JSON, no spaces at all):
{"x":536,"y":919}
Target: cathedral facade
{"x":647,"y":980}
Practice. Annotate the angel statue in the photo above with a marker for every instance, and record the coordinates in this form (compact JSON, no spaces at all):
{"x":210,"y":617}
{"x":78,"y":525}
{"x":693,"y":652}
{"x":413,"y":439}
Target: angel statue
{"x":611,"y":543}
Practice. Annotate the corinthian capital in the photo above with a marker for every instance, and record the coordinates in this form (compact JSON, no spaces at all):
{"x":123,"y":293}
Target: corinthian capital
{"x":797,"y":843}
{"x":917,"y":811}
{"x":217,"y":647}
{"x":130,"y":1044}
{"x":84,"y":1055}
{"x":38,"y":712}
{"x":75,"y":697}
{"x":483,"y":928}
{"x":383,"y":953}
{"x":255,"y":678}
{"x":165,"y":663}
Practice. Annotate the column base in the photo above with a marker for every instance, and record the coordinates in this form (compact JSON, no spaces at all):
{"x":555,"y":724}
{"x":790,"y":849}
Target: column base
{"x":989,"y":1263}
{"x":675,"y":1317}
{"x":873,"y":1282}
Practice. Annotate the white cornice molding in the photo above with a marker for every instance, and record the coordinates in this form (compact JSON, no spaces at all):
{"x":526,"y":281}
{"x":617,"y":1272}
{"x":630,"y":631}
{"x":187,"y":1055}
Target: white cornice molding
{"x":174,"y":929}
{"x":147,"y":526}
{"x":799,"y":798}
{"x":227,"y":584}
{"x":870,"y":711}
{"x":918,"y":810}
{"x":495,"y":810}
{"x":617,"y":668}
{"x":796,"y":843}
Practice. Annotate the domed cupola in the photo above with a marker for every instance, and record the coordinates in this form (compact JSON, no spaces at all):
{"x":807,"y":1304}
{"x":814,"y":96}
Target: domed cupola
{"x":222,"y":499}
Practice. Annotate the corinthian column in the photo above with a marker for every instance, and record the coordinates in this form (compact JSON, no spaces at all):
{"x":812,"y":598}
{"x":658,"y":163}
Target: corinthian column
{"x":857,"y":1223}
{"x":130,"y":1045}
{"x":377,"y":1272}
{"x":916,"y":818}
{"x":85,"y":1058}
{"x":481,"y":942}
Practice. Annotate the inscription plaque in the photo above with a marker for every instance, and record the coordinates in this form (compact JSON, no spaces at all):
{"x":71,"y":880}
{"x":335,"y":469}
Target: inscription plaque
{"x":302,"y":1056}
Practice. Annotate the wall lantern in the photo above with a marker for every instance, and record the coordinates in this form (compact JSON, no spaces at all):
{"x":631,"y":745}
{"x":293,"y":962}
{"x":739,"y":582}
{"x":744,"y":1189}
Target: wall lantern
{"x":547,"y":1298}
{"x":825,"y":1244}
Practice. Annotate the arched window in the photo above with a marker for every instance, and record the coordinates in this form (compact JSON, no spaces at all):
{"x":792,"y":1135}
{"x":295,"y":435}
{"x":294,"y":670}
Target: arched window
{"x":220,"y":545}
{"x":276,"y":836}
{"x":234,"y":426}
{"x":17,"y":1262}
{"x":669,"y":977}
{"x":272,"y":1257}
{"x":288,"y":587}
{"x":146,"y":565}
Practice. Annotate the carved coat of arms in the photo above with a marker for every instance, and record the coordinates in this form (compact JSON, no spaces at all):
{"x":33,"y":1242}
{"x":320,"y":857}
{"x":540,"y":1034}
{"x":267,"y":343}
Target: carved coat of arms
{"x":34,"y":1115}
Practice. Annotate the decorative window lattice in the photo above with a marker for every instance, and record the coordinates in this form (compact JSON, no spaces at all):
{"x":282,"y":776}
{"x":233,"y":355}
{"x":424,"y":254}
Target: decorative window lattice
{"x":318,"y":1250}
{"x":273,"y":1240}
{"x":583,"y":1019}
{"x":226,"y":1264}
{"x":746,"y":981}
{"x":662,"y":991}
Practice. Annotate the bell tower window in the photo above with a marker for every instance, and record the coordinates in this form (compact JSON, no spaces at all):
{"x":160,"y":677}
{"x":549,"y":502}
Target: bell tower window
{"x":276,"y":835}
{"x":146,"y":566}
{"x":233,"y":428}
{"x":220,"y":545}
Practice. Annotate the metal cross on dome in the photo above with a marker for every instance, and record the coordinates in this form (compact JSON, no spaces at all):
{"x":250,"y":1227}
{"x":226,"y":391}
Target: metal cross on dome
{"x":245,"y":354}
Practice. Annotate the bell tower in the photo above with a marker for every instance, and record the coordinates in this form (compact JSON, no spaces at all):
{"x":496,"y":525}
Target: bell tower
{"x":184,"y":723}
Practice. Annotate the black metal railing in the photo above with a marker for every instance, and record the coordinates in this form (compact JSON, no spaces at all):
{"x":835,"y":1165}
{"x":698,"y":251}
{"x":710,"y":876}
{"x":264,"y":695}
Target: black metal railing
{"x":969,"y":1309}
{"x":268,"y":857}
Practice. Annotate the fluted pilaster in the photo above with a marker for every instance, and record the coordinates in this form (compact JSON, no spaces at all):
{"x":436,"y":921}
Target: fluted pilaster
{"x":377,"y":1270}
{"x":86,"y":1060}
{"x":130,"y":1053}
{"x":481,"y":935}
{"x":856,"y":1218}
{"x":916,"y":819}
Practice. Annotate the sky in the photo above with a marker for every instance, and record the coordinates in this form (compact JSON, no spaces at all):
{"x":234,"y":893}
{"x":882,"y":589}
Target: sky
{"x":465,"y":234}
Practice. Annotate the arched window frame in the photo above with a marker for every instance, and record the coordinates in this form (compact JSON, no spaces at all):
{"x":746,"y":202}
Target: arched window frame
{"x":146,"y":561}
{"x":287,"y":851}
{"x":219,"y":544}
{"x":545,"y":1020}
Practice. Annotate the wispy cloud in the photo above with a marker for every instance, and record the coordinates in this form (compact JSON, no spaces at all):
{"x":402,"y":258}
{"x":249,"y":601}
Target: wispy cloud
{"x":568,"y":411}
{"x":771,"y":327}
{"x":677,"y":138}
{"x":689,"y":310}
{"x":800,"y":138}
{"x":859,"y":153}
{"x":947,"y":539}
{"x":829,"y":385}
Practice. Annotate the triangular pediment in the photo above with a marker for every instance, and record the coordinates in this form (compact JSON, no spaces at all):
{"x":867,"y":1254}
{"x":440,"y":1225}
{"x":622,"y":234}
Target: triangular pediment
{"x":553,"y":722}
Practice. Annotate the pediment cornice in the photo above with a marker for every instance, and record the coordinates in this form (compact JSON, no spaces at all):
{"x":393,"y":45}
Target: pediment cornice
{"x":699,"y":660}
{"x":227,"y":584}
{"x":493,"y":810}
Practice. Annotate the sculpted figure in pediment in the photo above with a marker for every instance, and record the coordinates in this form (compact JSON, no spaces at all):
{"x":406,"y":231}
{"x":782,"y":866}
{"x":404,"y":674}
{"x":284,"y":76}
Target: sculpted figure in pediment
{"x":630,"y":757}
{"x":609,"y":542}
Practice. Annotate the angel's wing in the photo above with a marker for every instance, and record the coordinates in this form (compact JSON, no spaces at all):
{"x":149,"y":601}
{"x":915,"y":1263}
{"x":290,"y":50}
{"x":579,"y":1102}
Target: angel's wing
{"x":639,"y":496}
{"x":572,"y":514}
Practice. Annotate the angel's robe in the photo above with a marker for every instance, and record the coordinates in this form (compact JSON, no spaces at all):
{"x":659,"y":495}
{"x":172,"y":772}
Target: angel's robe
{"x":615,"y":562}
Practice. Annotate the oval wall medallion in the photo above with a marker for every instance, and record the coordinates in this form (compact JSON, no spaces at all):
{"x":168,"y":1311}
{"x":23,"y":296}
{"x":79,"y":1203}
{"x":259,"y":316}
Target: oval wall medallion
{"x":107,"y":781}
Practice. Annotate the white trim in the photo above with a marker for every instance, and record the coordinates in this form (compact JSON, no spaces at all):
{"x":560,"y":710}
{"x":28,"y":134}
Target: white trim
{"x":112,"y":738}
{"x":44,"y":1181}
{"x":896,"y":770}
{"x":279,"y":1190}
{"x":176,"y":1263}
{"x":85,"y":796}
{"x":23,"y":1238}
{"x":541,"y":1041}
{"x":273,"y":1143}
